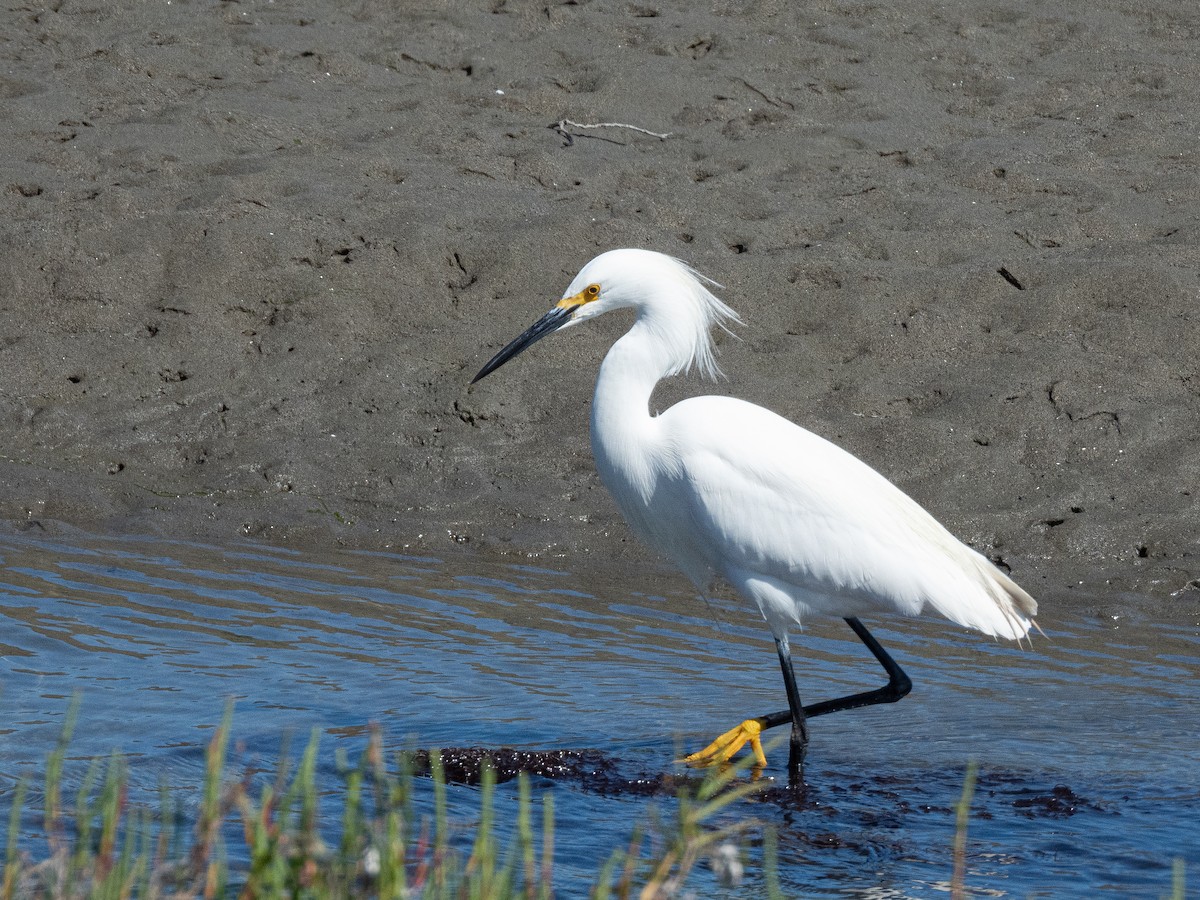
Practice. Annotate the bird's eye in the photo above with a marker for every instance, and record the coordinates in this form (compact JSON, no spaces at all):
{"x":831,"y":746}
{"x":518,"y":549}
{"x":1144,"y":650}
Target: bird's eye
{"x":592,"y":291}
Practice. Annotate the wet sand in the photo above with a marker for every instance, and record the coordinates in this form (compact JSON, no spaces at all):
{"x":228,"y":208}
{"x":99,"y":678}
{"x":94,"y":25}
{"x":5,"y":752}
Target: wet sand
{"x":253,"y":254}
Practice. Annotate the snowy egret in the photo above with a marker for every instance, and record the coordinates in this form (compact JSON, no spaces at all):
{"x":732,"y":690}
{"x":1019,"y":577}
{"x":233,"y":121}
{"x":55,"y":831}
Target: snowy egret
{"x":729,"y":490}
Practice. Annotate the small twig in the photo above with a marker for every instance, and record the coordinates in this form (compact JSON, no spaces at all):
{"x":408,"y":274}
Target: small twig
{"x":562,"y":125}
{"x":1010,"y":278}
{"x":774,"y":101}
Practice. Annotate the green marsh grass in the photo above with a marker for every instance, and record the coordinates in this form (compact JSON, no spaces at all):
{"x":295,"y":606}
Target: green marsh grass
{"x":104,"y":847}
{"x":108,"y":848}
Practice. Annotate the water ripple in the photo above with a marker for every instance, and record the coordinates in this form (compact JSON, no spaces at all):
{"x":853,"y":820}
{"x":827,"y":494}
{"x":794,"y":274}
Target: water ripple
{"x":1088,"y":741}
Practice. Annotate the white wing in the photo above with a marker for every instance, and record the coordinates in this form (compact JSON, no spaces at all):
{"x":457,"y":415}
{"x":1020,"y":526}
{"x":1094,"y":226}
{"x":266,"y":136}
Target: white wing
{"x":766,"y":496}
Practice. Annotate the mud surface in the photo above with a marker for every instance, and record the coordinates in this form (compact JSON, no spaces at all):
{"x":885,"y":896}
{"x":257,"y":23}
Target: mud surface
{"x":252,"y":253}
{"x":594,"y":771}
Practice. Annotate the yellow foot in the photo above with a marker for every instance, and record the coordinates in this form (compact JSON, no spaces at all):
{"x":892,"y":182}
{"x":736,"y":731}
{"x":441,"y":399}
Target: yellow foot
{"x":723,"y":748}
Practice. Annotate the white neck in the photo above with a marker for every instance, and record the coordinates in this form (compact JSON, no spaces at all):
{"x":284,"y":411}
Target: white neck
{"x":623,"y":431}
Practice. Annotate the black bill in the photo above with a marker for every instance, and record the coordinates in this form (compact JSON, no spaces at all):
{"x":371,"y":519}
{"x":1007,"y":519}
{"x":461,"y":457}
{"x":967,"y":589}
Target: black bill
{"x":550,"y":322}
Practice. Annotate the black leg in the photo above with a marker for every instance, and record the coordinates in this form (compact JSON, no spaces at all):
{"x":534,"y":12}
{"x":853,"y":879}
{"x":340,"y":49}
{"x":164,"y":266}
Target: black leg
{"x":795,"y":714}
{"x":898,"y":685}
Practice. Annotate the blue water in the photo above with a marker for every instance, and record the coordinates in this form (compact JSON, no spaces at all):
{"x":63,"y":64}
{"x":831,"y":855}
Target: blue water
{"x":1088,"y":743}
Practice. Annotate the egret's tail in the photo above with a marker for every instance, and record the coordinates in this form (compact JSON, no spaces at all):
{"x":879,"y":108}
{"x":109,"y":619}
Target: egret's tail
{"x":1005,"y":609}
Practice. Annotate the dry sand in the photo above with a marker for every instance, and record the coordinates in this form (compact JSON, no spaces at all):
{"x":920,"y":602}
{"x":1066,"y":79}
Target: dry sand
{"x":253,"y":253}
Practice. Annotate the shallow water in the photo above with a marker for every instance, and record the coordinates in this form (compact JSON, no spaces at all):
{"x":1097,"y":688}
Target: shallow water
{"x":1088,"y":743}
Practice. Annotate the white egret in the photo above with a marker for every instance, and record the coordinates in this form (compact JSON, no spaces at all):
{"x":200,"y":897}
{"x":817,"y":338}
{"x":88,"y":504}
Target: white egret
{"x":729,"y":490}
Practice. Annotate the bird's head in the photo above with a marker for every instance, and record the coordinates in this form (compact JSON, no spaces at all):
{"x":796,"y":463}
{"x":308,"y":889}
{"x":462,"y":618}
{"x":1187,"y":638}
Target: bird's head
{"x":656,"y":285}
